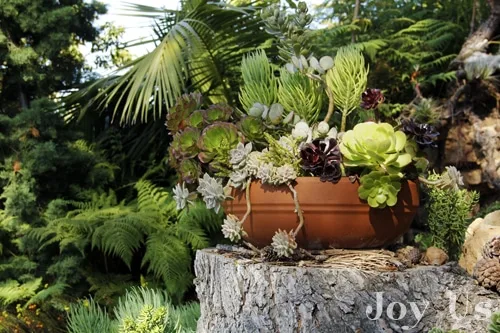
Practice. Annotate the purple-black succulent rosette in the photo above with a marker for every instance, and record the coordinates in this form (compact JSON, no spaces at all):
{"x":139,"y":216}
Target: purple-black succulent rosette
{"x":371,"y":98}
{"x":322,"y":158}
{"x":424,"y":134}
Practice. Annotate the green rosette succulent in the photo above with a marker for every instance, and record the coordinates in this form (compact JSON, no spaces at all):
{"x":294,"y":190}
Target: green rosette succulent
{"x":252,"y":128}
{"x":215,"y":142}
{"x":185,"y":144}
{"x":185,"y":105}
{"x":377,"y":146}
{"x":218,"y":112}
{"x":189,"y":170}
{"x":380,"y":189}
{"x":197,"y":119}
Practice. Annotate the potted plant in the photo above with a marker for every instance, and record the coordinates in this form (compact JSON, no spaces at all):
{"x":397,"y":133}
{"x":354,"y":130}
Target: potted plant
{"x":279,"y":166}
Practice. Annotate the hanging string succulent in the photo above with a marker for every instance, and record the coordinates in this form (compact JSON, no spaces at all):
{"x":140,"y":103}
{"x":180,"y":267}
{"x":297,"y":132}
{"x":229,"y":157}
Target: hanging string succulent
{"x":259,"y":83}
{"x":347,"y":81}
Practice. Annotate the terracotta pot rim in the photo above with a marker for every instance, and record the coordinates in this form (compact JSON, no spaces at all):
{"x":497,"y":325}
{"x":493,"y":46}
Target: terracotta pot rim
{"x":317,"y":179}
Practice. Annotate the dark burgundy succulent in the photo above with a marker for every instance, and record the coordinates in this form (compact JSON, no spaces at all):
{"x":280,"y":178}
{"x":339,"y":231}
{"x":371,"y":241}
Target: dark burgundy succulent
{"x":322,"y":158}
{"x":371,"y":98}
{"x":424,"y":134}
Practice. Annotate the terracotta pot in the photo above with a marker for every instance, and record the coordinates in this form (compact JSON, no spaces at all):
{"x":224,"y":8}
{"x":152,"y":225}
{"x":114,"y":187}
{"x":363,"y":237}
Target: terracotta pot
{"x":333,"y":213}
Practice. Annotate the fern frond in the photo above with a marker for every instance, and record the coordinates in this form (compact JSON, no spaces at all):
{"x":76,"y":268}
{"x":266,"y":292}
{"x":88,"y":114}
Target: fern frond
{"x":168,"y":259}
{"x":445,"y":77}
{"x":11,"y":291}
{"x":54,"y":290}
{"x":119,"y":237}
{"x":152,"y":198}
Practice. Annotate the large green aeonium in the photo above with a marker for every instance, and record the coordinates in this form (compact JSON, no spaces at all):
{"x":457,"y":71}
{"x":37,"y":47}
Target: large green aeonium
{"x":377,"y":146}
{"x":215,"y":142}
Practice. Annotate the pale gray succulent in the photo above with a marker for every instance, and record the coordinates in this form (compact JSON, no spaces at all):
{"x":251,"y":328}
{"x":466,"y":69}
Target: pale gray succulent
{"x":182,"y":196}
{"x":321,"y":66}
{"x":266,"y":173}
{"x":453,"y":178}
{"x":232,"y":228}
{"x":238,"y":178}
{"x":253,"y":163}
{"x":212,"y":192}
{"x":238,"y":155}
{"x":275,"y":113}
{"x":257,"y":110}
{"x":283,"y":243}
{"x":284,"y":174}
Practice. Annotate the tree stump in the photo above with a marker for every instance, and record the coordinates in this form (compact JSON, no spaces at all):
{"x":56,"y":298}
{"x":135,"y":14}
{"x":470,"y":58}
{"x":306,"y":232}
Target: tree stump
{"x":241,"y":295}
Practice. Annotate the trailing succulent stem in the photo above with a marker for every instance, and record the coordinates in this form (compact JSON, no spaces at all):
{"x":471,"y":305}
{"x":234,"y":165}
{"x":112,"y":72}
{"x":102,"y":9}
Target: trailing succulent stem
{"x":297,"y":209}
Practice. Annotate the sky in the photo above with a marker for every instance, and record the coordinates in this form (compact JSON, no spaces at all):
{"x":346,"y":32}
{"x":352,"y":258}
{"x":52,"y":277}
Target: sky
{"x":135,"y":27}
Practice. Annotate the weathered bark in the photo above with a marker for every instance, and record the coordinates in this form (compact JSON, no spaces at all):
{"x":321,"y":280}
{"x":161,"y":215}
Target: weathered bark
{"x":479,"y":40}
{"x":242,"y":296}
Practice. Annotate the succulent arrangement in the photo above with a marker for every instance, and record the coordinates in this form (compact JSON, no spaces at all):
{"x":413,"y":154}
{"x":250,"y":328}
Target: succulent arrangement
{"x":293,"y":121}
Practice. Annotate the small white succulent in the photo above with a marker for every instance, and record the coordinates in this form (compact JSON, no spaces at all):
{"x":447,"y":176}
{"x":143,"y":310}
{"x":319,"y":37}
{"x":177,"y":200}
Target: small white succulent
{"x":283,"y":243}
{"x":238,"y":178}
{"x":323,"y":128}
{"x":212,"y":192}
{"x":266,"y":173}
{"x":302,"y":131}
{"x":232,"y":228}
{"x":253,"y":163}
{"x":182,"y":196}
{"x":284,"y":174}
{"x":238,"y":155}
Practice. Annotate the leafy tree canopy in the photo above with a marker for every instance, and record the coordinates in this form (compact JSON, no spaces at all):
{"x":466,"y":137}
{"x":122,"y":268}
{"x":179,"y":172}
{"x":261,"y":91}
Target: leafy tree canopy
{"x":39,"y":47}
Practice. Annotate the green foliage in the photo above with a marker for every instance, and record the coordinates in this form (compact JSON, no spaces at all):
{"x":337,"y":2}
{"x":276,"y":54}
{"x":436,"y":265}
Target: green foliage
{"x":121,"y":230}
{"x":409,"y":45}
{"x":448,"y":212}
{"x":140,"y":310}
{"x":198,"y":47}
{"x":494,"y":326}
{"x":39,"y":42}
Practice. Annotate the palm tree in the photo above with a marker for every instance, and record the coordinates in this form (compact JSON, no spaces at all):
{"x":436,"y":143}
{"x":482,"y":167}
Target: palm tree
{"x":198,"y":47}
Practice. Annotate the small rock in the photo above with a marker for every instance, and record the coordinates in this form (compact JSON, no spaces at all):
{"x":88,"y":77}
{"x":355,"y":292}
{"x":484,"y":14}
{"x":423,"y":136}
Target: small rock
{"x":434,"y":256}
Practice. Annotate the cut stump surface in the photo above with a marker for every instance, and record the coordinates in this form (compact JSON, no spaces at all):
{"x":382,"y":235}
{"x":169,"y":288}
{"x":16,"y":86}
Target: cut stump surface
{"x":241,"y":295}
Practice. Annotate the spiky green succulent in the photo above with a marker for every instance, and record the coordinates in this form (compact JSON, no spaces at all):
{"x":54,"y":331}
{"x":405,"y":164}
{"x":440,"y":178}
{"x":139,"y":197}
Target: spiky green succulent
{"x":284,"y":243}
{"x":347,"y":80}
{"x":178,"y":115}
{"x":379,"y":189}
{"x":300,"y":94}
{"x":377,"y":146}
{"x":215,"y":143}
{"x":259,"y":82}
